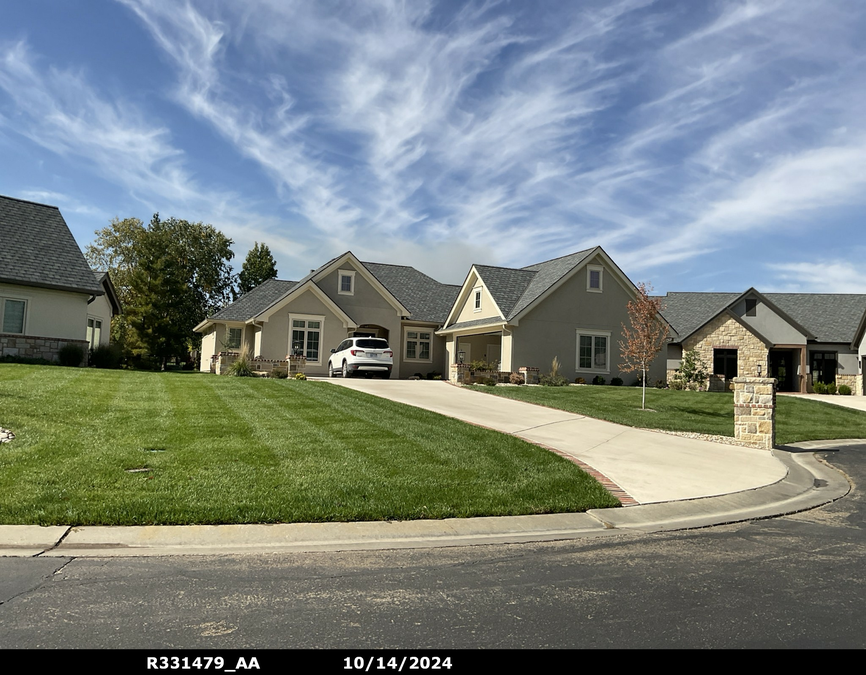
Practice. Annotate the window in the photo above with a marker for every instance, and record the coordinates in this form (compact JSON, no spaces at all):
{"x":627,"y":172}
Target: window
{"x":594,"y":278}
{"x":234,"y":338}
{"x":592,"y":350}
{"x":13,"y":315}
{"x":477,"y":299}
{"x":751,"y":307}
{"x":824,"y":367}
{"x":347,"y":282}
{"x":94,"y":333}
{"x":418,"y":345}
{"x":306,"y":337}
{"x":725,"y":363}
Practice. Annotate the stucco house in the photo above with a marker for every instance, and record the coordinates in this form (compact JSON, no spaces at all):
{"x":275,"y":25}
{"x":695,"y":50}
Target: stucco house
{"x":343,"y":298}
{"x":49,"y":296}
{"x":798,"y":338}
{"x":572,"y":308}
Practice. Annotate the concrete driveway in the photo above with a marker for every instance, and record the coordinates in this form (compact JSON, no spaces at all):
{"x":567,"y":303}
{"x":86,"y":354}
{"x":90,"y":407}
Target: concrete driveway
{"x":855,"y":402}
{"x":650,"y":466}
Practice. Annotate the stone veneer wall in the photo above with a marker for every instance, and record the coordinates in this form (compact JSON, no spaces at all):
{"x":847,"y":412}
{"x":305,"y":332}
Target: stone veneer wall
{"x":755,"y":411}
{"x":724,"y":332}
{"x":853,"y":381}
{"x":34,"y":347}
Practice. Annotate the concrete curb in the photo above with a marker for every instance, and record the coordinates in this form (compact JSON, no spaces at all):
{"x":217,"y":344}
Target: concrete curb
{"x":808,"y":484}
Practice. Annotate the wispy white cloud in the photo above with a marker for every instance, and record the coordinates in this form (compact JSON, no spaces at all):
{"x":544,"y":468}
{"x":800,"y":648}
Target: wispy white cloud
{"x":819,"y":276}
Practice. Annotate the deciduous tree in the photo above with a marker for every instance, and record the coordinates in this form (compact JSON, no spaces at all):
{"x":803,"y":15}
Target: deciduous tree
{"x":643,"y":341}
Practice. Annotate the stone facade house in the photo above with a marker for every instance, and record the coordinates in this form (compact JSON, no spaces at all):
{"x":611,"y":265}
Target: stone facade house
{"x":49,"y":296}
{"x":798,"y":338}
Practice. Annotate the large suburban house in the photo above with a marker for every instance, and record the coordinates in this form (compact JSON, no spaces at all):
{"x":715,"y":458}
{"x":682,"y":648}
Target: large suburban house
{"x":571,"y":308}
{"x":798,"y":338}
{"x":49,"y":295}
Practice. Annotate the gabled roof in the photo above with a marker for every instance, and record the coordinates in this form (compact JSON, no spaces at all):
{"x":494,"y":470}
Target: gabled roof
{"x":39,"y":250}
{"x":426,"y":299}
{"x":255,"y":301}
{"x":547,"y":274}
{"x":506,"y":285}
{"x":826,"y":317}
{"x":104,"y":281}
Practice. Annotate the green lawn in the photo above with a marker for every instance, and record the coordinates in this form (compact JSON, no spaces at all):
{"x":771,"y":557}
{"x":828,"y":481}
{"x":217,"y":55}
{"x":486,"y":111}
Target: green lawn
{"x":245,"y":450}
{"x":701,"y":412}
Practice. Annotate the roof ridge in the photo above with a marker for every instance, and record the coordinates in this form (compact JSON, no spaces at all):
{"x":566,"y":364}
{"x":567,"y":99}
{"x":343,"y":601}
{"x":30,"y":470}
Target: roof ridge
{"x":502,"y":267}
{"x":567,"y":255}
{"x":29,"y":201}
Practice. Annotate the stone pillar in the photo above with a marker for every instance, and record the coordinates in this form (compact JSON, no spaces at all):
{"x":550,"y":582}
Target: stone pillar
{"x":755,"y":411}
{"x":530,"y":375}
{"x":459,"y":373}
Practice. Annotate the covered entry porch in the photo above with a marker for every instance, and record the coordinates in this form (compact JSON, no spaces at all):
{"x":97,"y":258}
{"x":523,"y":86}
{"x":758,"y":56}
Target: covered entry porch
{"x":787,"y":363}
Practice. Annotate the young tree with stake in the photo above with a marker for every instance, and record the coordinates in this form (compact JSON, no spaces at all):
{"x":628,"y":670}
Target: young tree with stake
{"x":644,"y":340}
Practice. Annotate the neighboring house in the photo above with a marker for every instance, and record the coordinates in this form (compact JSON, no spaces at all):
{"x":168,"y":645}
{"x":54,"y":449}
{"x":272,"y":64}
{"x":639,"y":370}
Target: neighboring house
{"x":49,"y":296}
{"x":572,"y":308}
{"x":343,"y":298}
{"x":798,"y":338}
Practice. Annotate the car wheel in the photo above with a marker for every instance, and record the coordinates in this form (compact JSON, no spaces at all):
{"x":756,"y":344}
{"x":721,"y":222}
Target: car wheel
{"x":346,"y":372}
{"x":331,"y":371}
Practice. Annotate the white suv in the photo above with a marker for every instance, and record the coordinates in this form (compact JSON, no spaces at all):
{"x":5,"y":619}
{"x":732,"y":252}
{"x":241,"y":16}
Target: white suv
{"x":361,"y":355}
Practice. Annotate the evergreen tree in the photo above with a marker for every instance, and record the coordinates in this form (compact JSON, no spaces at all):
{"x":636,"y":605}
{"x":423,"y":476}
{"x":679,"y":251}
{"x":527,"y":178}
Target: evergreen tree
{"x":258,"y":267}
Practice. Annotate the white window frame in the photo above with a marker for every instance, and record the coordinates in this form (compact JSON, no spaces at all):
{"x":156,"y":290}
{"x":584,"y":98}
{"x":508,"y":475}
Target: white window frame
{"x":476,"y":298}
{"x":3,"y":314}
{"x":91,"y":332}
{"x":306,"y":318}
{"x":584,"y":332}
{"x":419,"y":330}
{"x":589,"y":270}
{"x":340,"y":275}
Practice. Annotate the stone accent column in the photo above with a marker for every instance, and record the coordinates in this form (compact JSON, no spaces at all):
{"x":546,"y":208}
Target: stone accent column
{"x":530,"y":375}
{"x":459,"y":373}
{"x":755,"y":411}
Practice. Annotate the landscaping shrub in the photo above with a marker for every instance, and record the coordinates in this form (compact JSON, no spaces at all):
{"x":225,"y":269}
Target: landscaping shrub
{"x":553,"y":378}
{"x":831,"y":388}
{"x":516,"y":378}
{"x":819,"y":388}
{"x":241,"y":367}
{"x":844,"y":390}
{"x":300,"y":376}
{"x":598,"y":379}
{"x":616,"y":382}
{"x":489,"y":381}
{"x":661,"y":384}
{"x":692,"y":370}
{"x":9,"y":358}
{"x":675,"y":384}
{"x":579,"y":380}
{"x":279,"y":374}
{"x":434,"y":375}
{"x":106,"y":356}
{"x":70,"y":355}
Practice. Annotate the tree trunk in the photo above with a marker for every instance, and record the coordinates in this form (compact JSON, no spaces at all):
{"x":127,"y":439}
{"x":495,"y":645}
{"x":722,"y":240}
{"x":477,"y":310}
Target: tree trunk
{"x":643,"y":393}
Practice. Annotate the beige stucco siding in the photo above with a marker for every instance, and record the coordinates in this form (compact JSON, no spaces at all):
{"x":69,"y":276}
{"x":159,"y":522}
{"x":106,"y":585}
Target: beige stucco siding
{"x":436,"y":364}
{"x":100,"y":310}
{"x":769,"y":324}
{"x":467,"y":309}
{"x":550,"y":329}
{"x":50,"y":313}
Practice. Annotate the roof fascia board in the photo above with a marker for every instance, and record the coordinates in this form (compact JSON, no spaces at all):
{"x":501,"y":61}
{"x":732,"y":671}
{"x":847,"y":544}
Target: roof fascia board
{"x":52,"y":287}
{"x":471,"y":330}
{"x":348,"y":256}
{"x":858,"y":334}
{"x":489,"y":292}
{"x":733,"y":315}
{"x":309,"y":285}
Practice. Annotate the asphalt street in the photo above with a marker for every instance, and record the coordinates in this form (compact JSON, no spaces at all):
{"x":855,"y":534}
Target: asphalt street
{"x":793,"y":581}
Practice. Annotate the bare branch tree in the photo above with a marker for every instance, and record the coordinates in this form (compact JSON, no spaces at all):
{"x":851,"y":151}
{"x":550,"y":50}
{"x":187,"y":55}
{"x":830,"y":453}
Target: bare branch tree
{"x":644,"y":340}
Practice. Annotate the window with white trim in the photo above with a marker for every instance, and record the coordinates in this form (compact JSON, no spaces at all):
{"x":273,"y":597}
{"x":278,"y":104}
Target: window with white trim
{"x":418,"y":343}
{"x":94,"y":332}
{"x":306,"y":337}
{"x":233,"y":338}
{"x":347,"y":282}
{"x":12,"y":313}
{"x":593,"y":350}
{"x":594,"y":278}
{"x":477,"y":299}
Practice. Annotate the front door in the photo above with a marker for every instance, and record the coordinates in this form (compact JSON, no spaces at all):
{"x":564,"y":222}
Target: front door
{"x":782,"y":368}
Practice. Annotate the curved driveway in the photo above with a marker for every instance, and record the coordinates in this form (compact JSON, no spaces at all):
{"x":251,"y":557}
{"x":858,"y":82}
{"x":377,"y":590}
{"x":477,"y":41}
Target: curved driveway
{"x":650,"y":466}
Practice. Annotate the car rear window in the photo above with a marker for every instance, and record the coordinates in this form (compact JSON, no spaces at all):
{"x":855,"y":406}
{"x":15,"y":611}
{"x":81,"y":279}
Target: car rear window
{"x":372,"y":343}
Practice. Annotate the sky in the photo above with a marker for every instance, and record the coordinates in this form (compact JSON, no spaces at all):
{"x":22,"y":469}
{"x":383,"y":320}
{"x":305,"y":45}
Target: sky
{"x":706,"y":146}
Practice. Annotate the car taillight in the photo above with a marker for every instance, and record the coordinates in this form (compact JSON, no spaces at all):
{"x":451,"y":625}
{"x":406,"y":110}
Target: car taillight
{"x":355,"y":352}
{"x":389,"y":353}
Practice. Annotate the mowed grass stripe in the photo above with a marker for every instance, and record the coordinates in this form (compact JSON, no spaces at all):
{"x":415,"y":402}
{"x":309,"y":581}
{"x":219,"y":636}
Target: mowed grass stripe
{"x":232,"y":450}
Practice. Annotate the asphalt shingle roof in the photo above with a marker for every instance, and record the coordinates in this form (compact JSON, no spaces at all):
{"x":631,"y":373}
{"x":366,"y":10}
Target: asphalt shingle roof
{"x":505,"y":284}
{"x":829,"y":317}
{"x":547,"y":274}
{"x":427,"y":299}
{"x":255,"y":301}
{"x":37,"y":249}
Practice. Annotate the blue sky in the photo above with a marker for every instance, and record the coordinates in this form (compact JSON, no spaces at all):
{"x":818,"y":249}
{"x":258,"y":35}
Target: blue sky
{"x":706,"y":146}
